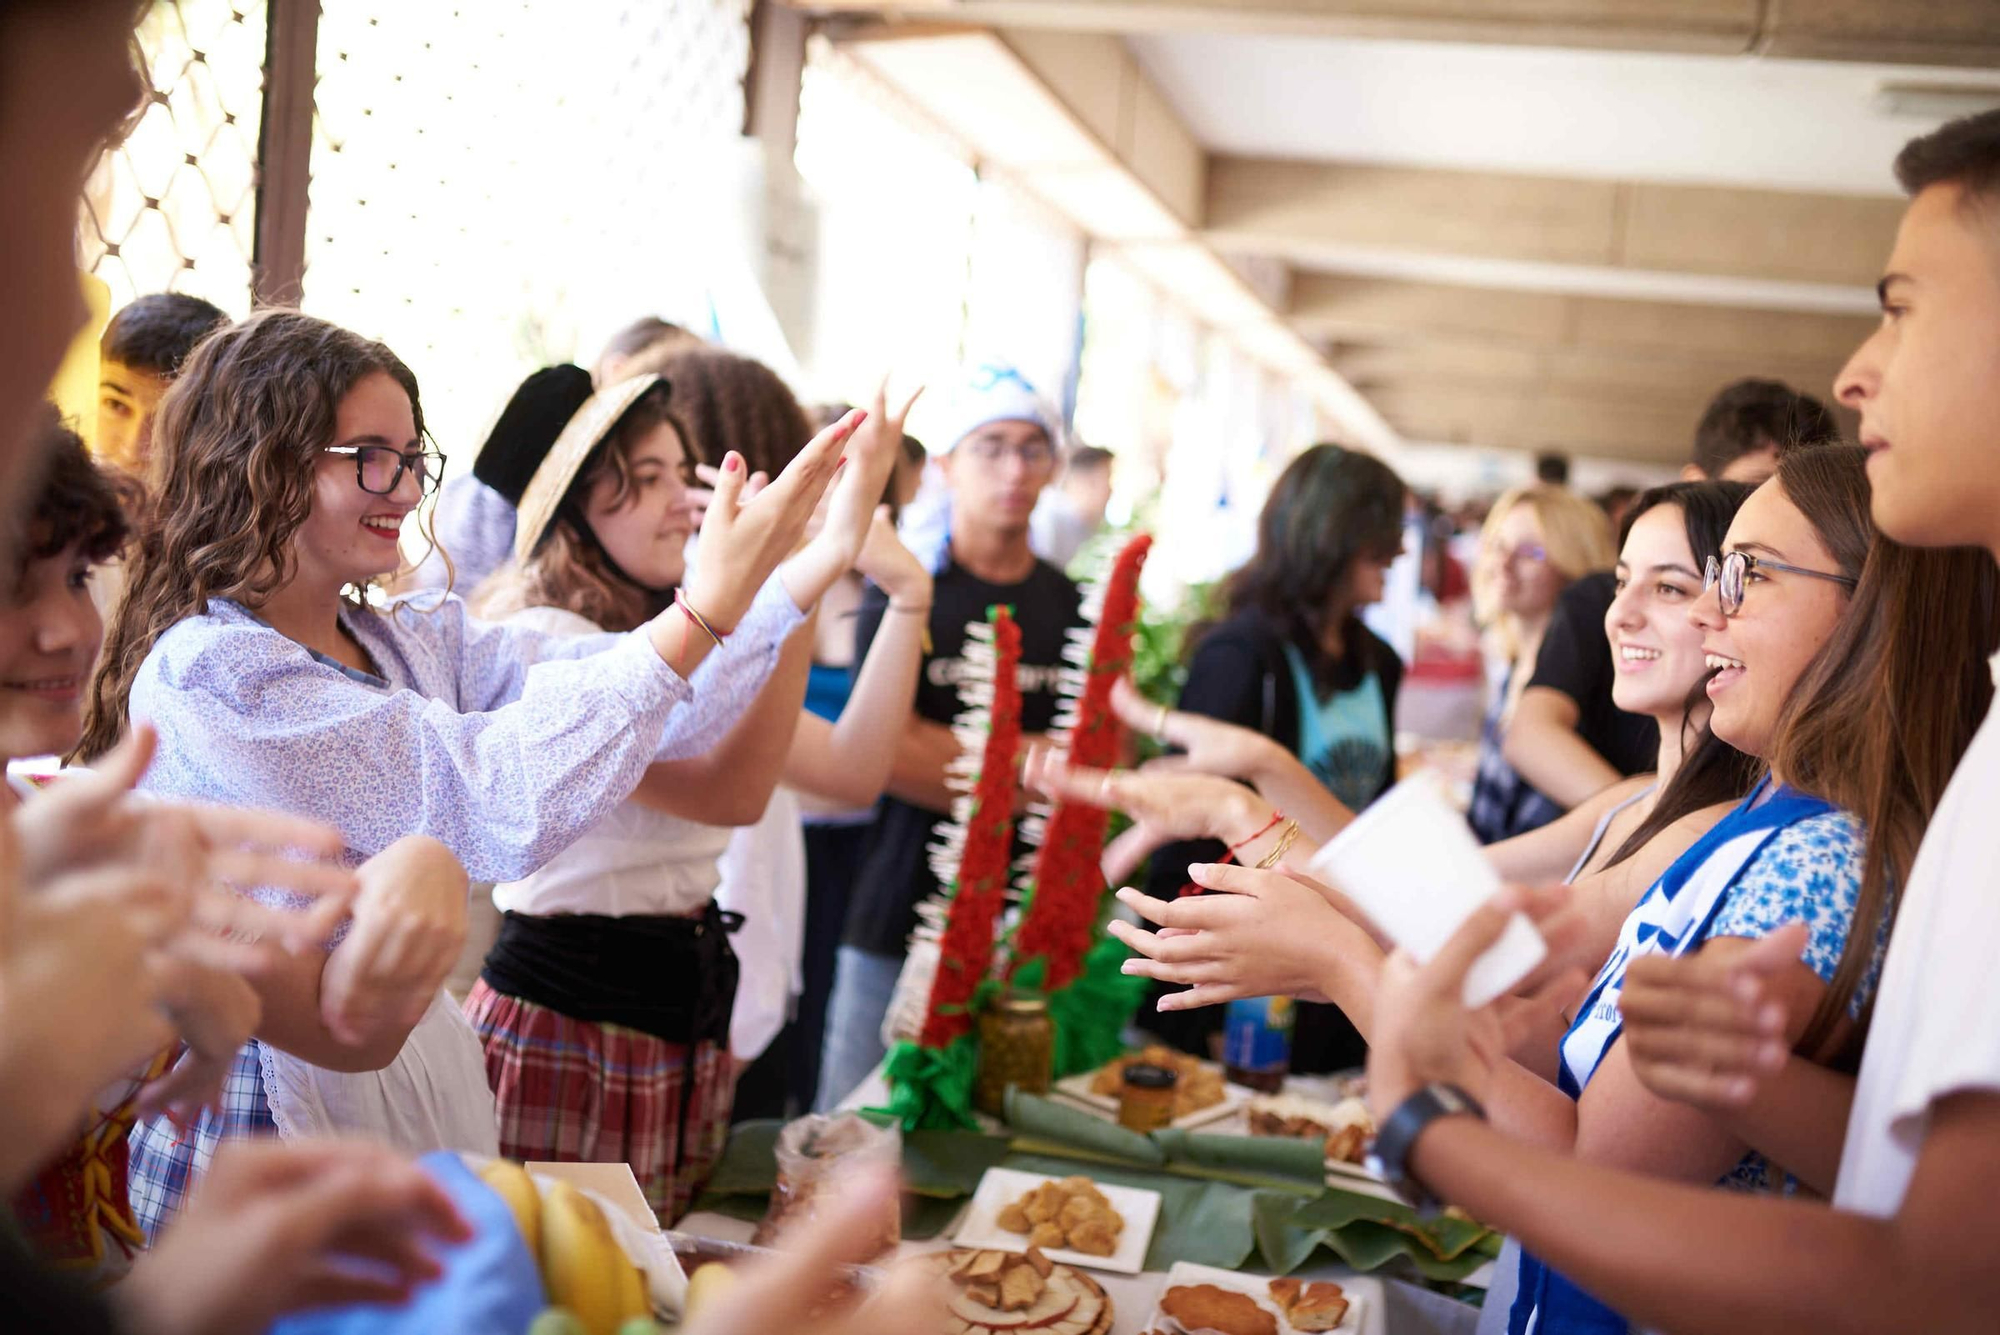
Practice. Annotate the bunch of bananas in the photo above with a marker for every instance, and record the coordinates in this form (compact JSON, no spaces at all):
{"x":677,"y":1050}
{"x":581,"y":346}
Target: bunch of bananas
{"x":593,"y":1287}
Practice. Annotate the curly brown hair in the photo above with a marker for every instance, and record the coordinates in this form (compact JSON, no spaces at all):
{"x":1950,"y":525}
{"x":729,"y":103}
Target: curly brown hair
{"x":736,"y":403}
{"x":79,"y":504}
{"x":235,"y":440}
{"x":568,"y":569}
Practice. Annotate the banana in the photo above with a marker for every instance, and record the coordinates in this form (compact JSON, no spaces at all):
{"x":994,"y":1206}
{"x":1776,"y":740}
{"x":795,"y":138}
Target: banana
{"x":632,"y":1299}
{"x":705,"y":1285}
{"x":582,"y":1264}
{"x":512,"y":1184}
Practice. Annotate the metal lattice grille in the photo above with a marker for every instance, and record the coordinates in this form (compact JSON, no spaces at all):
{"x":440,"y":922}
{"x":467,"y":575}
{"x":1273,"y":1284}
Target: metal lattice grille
{"x":491,"y":183}
{"x":173,"y":207}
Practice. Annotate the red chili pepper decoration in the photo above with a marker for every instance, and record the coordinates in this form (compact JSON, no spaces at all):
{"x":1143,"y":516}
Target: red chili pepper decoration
{"x":1068,"y":878}
{"x":966,"y":947}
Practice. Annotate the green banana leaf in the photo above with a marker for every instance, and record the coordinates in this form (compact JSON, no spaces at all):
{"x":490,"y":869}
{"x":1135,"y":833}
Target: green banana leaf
{"x":1225,"y":1200}
{"x":1289,"y":1232}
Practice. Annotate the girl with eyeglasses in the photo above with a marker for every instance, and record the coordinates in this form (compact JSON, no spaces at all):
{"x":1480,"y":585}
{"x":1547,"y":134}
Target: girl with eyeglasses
{"x":1813,"y":663}
{"x":287,"y":457}
{"x":1536,"y":541}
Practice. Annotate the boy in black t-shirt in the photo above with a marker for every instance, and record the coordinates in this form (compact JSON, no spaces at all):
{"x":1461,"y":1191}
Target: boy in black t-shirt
{"x":1003,"y":452}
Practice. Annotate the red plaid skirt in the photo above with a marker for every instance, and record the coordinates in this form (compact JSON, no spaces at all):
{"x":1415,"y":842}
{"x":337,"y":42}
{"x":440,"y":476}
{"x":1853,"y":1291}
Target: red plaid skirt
{"x":574,"y":1091}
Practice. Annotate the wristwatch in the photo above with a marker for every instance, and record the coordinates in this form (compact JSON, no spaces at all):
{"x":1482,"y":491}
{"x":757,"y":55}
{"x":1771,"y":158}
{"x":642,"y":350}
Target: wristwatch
{"x":1393,"y":1140}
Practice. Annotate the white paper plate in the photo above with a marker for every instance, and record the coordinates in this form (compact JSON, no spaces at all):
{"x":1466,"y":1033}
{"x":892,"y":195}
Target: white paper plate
{"x":1077,"y":1090}
{"x":1364,"y":1298}
{"x":1001,"y":1187}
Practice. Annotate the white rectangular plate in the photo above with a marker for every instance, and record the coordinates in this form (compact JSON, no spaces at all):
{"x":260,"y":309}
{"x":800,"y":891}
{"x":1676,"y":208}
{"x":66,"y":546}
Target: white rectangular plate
{"x":1077,"y":1090}
{"x":1364,"y":1297}
{"x":1001,"y":1187}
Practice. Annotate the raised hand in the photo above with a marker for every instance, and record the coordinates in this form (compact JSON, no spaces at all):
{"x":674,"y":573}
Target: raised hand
{"x":79,"y":1006}
{"x":1421,"y":1031}
{"x":744,"y":537}
{"x":1707,"y":1030}
{"x":282,"y":1227}
{"x":1272,"y":934}
{"x":1208,"y":746}
{"x":409,"y":926}
{"x":215,"y":1012}
{"x":1163,"y":807}
{"x":889,"y":565}
{"x":96,"y":822}
{"x":851,"y":504}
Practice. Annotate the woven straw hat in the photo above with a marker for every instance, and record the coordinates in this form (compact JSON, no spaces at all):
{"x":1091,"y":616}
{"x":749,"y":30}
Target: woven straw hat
{"x":597,"y":418}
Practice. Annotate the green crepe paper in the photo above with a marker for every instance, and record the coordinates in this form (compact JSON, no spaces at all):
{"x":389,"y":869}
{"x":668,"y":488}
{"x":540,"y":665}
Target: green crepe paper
{"x":931,"y":1089}
{"x":1091,"y":1014}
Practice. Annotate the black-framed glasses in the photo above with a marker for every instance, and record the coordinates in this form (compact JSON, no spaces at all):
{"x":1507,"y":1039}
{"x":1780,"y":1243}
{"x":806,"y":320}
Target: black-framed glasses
{"x":1732,"y":572}
{"x":379,"y":469}
{"x":1035,"y":455}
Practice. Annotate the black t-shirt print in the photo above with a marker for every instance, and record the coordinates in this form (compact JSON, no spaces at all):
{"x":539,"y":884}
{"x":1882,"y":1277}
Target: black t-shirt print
{"x":895,"y":874}
{"x":1575,"y":659}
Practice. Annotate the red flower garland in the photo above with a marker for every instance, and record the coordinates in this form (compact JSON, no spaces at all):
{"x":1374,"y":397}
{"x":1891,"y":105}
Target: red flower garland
{"x":965,"y":951}
{"x":1068,"y":876}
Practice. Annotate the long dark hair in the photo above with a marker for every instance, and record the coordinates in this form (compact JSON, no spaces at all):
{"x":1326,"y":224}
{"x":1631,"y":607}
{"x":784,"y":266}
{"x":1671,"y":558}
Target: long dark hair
{"x":1883,"y":713}
{"x":1330,"y":507}
{"x":1711,"y":770}
{"x":235,"y":440}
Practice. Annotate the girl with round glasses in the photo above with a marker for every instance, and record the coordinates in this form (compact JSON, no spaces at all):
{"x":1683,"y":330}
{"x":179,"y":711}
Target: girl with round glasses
{"x":249,"y":639}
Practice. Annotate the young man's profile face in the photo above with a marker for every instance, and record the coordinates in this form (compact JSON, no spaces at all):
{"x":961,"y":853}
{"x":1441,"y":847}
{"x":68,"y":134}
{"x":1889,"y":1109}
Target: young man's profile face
{"x":126,"y":398}
{"x":1927,"y":382}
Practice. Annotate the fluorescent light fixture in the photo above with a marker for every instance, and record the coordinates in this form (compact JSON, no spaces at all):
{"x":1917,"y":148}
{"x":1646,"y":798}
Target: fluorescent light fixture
{"x":1924,"y":100}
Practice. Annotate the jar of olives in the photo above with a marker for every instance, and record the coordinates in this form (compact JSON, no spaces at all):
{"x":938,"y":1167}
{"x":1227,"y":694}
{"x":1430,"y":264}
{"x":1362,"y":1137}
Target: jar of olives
{"x":1017,"y":1046}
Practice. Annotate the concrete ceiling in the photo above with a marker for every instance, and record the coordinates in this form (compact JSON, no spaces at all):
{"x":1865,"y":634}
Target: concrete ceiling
{"x":1562,"y":224}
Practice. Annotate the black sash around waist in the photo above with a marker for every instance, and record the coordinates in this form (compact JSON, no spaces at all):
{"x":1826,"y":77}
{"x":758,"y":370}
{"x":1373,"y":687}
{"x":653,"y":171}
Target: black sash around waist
{"x":673,"y":978}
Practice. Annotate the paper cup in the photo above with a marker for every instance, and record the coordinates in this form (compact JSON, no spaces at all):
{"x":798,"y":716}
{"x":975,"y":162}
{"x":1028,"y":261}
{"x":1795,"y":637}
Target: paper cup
{"x":1412,"y":865}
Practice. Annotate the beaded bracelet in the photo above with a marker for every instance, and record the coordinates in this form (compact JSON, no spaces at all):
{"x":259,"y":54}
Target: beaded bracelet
{"x":680,"y":601}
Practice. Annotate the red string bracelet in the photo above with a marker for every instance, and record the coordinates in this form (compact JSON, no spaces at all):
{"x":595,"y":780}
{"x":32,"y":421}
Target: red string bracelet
{"x":1277,"y":818}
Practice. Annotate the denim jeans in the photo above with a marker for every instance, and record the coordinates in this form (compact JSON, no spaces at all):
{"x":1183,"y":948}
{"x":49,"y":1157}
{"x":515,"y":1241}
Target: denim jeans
{"x":863,"y":985}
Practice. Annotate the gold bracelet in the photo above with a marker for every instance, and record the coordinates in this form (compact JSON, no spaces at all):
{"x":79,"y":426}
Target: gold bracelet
{"x":681,"y":601}
{"x":1286,"y":838}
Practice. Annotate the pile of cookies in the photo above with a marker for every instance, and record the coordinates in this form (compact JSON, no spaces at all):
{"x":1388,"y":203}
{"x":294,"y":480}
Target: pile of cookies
{"x":1071,"y":1214}
{"x":1009,"y":1293}
{"x":1310,"y":1305}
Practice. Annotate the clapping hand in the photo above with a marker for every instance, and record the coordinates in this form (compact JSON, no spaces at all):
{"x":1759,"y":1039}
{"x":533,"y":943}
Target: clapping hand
{"x":92,"y":831}
{"x":851,"y":504}
{"x":1707,"y":1030}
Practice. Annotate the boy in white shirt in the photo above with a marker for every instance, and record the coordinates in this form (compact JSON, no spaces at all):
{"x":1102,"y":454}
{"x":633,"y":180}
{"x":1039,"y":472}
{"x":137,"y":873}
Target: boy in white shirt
{"x":1920,"y":1163}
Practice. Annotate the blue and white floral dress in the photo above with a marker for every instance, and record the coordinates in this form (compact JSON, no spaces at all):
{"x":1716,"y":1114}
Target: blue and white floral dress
{"x":1781,"y":856}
